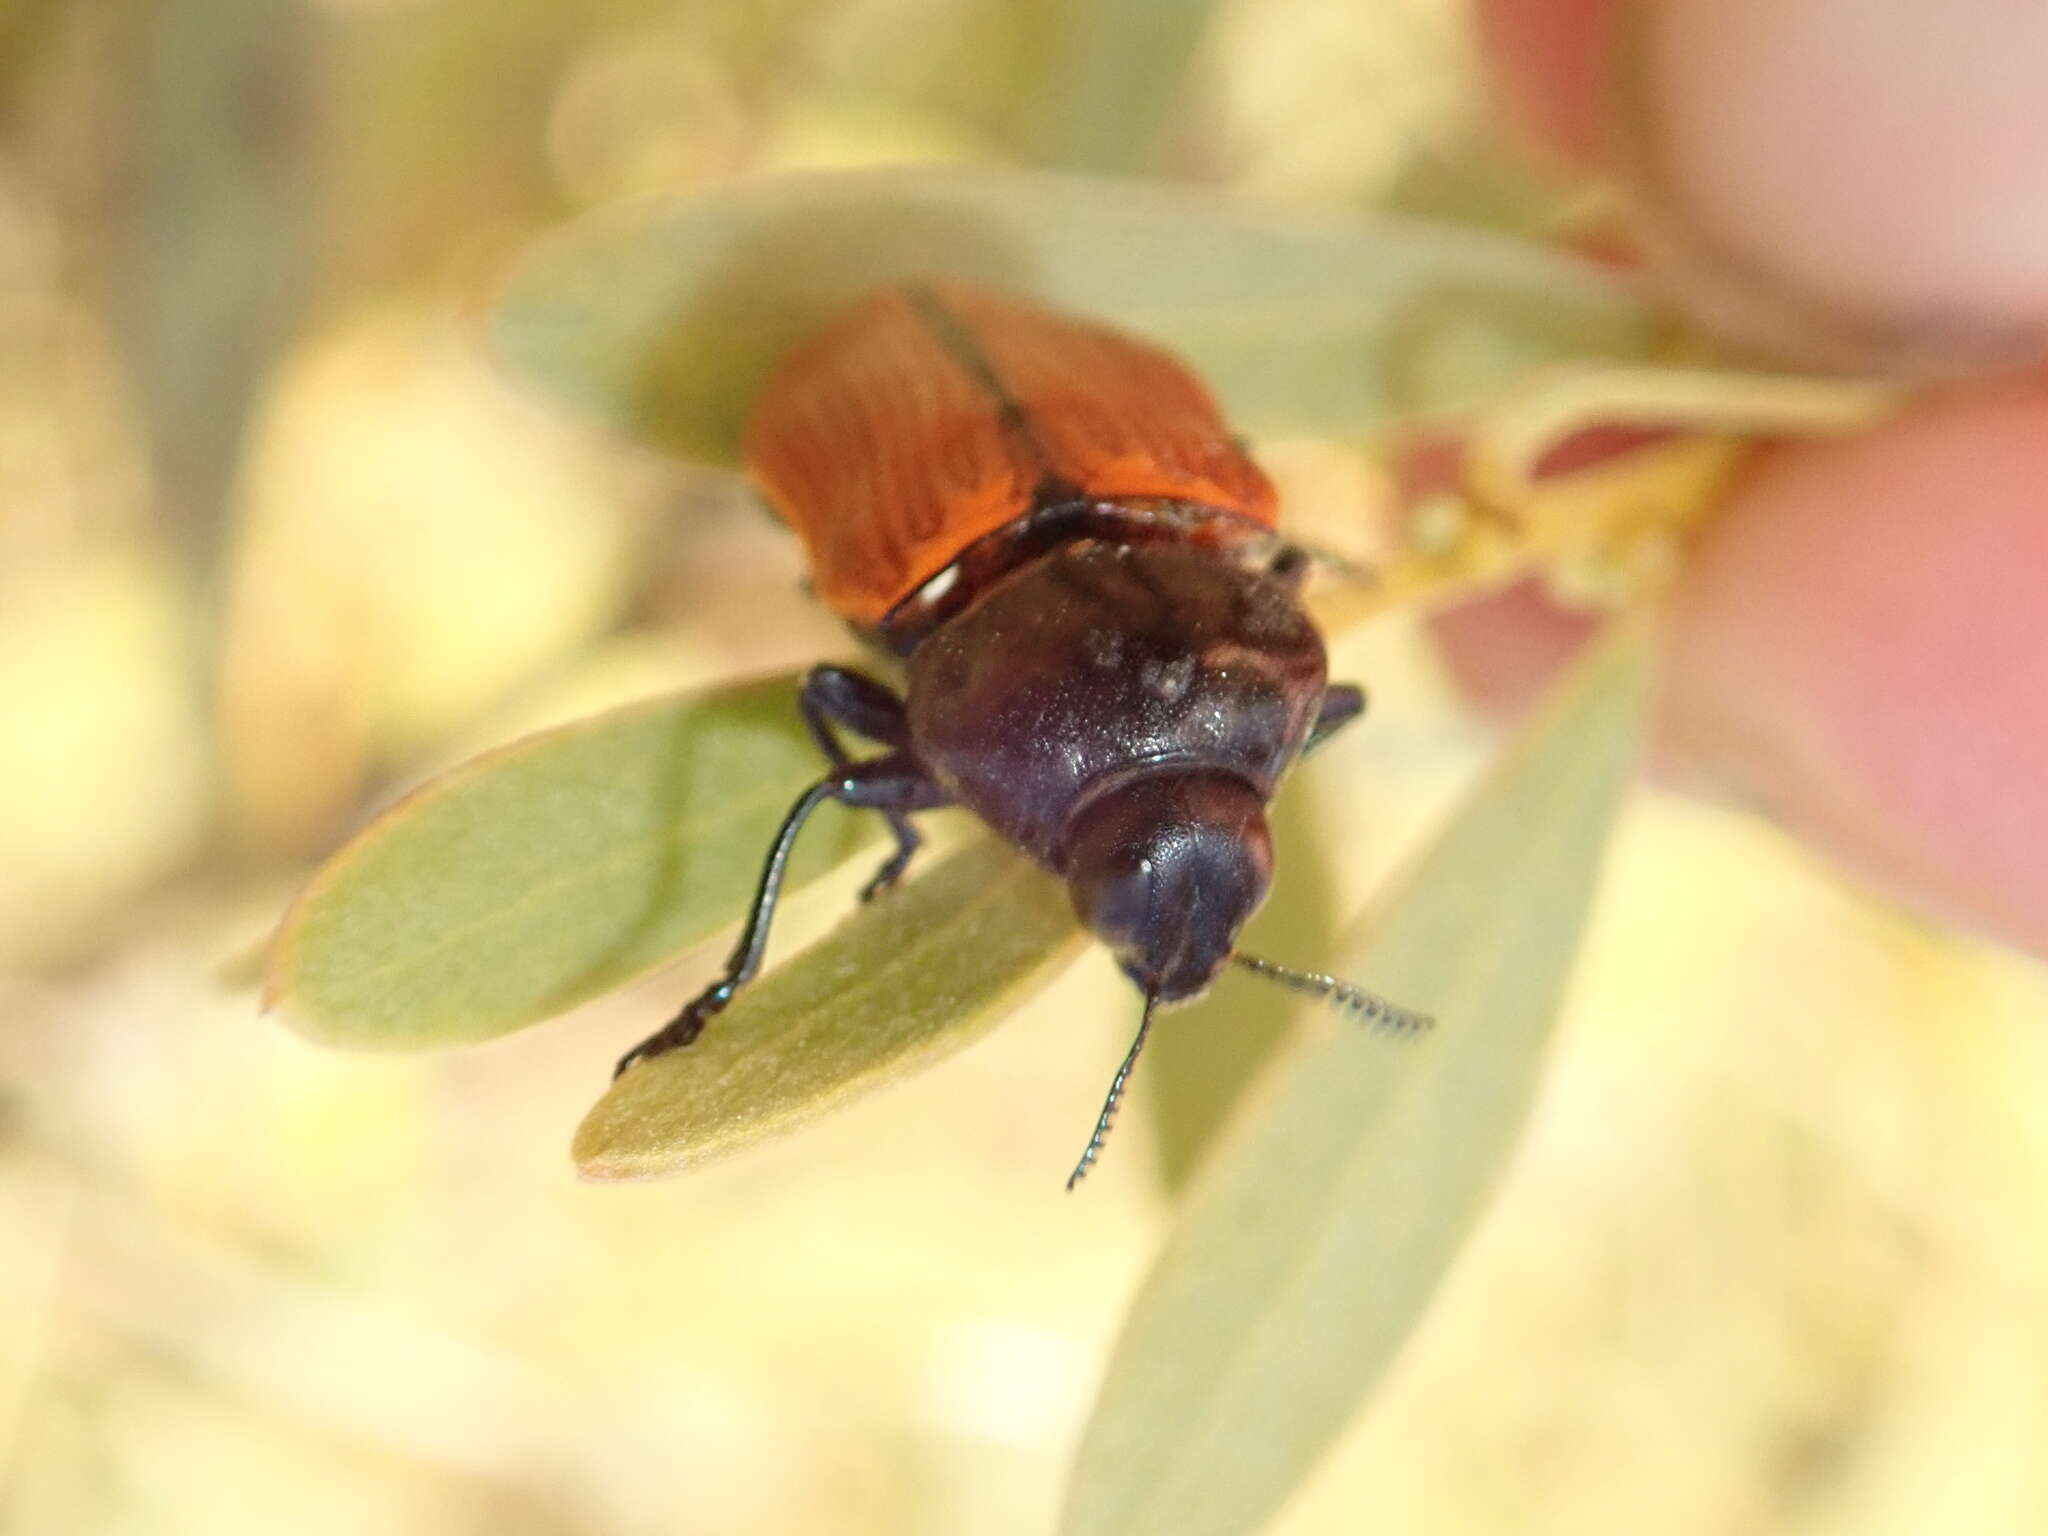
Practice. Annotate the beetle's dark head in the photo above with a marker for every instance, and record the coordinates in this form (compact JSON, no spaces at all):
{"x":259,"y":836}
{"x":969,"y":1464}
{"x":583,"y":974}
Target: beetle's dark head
{"x":1165,"y":867}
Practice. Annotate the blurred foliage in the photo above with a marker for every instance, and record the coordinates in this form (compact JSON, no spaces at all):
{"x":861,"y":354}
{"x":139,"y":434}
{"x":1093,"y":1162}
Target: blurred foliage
{"x":215,"y":142}
{"x":664,"y":322}
{"x":412,"y":544}
{"x":274,"y":543}
{"x":1253,"y":1340}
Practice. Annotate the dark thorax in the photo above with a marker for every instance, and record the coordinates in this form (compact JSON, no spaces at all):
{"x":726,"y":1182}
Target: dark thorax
{"x":1123,"y":713}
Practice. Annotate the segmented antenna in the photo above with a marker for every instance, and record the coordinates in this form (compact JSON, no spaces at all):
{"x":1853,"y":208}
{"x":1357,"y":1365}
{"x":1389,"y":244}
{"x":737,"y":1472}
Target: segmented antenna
{"x":1109,"y":1105}
{"x":1347,"y":997}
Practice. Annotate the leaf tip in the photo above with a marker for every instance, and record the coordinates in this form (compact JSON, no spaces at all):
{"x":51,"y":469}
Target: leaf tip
{"x":592,"y":1169}
{"x":612,"y":1144}
{"x":277,"y":1008}
{"x":592,"y":1155}
{"x":600,"y":1160}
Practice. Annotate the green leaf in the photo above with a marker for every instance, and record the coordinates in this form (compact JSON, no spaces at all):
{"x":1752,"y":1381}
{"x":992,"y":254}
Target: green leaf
{"x":551,"y":870}
{"x":905,"y":980}
{"x":1316,"y":1235}
{"x":665,"y":323}
{"x":1117,"y":81}
{"x":216,"y":231}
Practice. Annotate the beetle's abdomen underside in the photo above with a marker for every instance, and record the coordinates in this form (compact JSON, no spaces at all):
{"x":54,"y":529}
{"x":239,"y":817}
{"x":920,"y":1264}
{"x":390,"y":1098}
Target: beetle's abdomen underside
{"x":934,"y":414}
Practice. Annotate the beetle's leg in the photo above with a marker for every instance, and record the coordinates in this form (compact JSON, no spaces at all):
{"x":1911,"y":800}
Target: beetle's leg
{"x":1291,"y":565}
{"x":894,"y":784}
{"x":1342,"y":704}
{"x":897,"y":785}
{"x":839,"y":695}
{"x":908,"y":841}
{"x":745,"y":959}
{"x":1293,"y":561}
{"x":866,"y":707}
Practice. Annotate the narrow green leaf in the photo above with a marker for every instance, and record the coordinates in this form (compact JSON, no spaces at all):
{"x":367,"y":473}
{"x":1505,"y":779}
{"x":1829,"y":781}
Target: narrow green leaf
{"x":215,"y":229}
{"x":1315,"y":1237}
{"x":1117,"y":81}
{"x":664,"y":323}
{"x":549,"y":871}
{"x":905,"y":980}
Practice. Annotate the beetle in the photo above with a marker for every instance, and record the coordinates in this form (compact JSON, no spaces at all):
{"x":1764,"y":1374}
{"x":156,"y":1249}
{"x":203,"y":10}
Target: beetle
{"x":1106,"y":655}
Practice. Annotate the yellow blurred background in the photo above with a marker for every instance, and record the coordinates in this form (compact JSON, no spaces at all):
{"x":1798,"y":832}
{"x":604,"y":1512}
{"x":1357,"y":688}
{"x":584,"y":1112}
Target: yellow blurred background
{"x":275,"y":541}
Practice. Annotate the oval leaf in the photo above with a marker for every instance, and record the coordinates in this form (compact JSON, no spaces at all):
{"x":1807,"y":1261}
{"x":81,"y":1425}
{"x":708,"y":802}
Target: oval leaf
{"x":905,"y":980}
{"x":664,"y":323}
{"x":1315,"y":1237}
{"x":549,"y":871}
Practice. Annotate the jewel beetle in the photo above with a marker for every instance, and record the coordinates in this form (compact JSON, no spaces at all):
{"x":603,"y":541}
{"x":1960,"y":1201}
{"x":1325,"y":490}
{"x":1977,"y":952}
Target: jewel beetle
{"x":1105,"y":650}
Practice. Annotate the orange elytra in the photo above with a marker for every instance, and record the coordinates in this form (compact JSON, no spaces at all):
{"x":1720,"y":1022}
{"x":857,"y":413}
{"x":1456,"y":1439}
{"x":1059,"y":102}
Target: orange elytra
{"x":933,"y":415}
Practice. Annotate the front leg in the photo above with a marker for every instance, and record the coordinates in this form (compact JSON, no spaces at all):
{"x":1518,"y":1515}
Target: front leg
{"x":897,"y":785}
{"x":841,"y":696}
{"x":894,"y":785}
{"x":1293,"y":561}
{"x":1342,"y":704}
